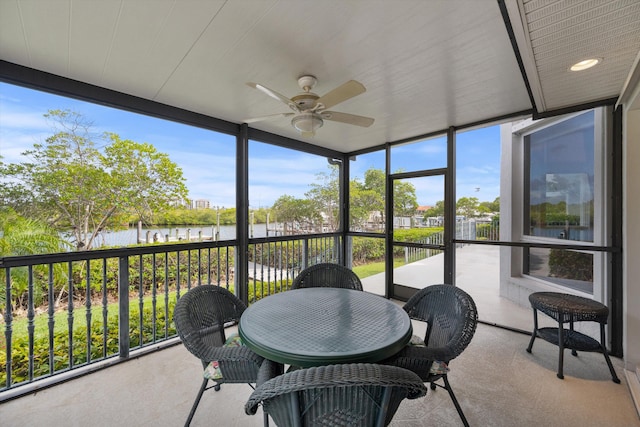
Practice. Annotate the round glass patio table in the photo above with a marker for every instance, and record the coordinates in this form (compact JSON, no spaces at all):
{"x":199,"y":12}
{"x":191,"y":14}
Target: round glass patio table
{"x":323,"y":326}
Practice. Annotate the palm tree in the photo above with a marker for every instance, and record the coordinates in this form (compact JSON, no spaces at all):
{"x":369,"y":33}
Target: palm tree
{"x":23,"y":236}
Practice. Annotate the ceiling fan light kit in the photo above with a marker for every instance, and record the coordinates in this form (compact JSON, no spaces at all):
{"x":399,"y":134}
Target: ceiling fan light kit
{"x":309,"y":109}
{"x":307,"y":122}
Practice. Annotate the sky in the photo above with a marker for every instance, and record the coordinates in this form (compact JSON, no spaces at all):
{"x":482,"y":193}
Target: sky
{"x":207,"y":158}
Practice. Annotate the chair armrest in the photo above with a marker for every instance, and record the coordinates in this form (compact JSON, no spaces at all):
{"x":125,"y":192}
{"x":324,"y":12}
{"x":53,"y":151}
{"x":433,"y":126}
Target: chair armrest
{"x":444,"y":354}
{"x":332,"y":376}
{"x":419,"y":359}
{"x":232,"y":354}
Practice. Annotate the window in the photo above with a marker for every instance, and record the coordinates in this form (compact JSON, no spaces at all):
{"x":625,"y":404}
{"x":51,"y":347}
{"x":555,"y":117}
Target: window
{"x":559,"y":197}
{"x":560,"y":180}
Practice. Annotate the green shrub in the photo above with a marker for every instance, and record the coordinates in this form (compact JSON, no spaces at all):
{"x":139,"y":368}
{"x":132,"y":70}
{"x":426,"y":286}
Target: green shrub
{"x":571,"y":265}
{"x":60,"y":354}
{"x":258,"y":290}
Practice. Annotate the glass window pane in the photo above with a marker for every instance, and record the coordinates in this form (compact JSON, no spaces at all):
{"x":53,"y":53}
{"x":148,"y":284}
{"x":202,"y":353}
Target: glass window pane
{"x":571,"y":269}
{"x":149,"y":155}
{"x":421,"y":155}
{"x":291,"y":191}
{"x":417,"y":216}
{"x":368,"y":262}
{"x":559,"y":203}
{"x":367,"y":192}
{"x":416,"y":221}
{"x":478,"y":184}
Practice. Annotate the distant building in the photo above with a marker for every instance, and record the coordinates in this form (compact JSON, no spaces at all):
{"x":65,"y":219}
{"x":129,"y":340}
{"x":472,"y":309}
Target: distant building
{"x":201,"y":204}
{"x":422,"y":209}
{"x":418,"y":217}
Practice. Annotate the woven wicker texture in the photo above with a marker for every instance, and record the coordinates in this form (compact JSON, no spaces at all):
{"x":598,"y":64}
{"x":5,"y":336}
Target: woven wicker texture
{"x":569,"y":308}
{"x":336,"y":395}
{"x":200,"y":316}
{"x":451,"y":316}
{"x":566,"y":308}
{"x":327,"y":275}
{"x":321,"y":326}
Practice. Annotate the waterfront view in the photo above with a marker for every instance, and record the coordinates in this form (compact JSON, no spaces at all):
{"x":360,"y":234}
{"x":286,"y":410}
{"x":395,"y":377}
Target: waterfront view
{"x":187,"y":232}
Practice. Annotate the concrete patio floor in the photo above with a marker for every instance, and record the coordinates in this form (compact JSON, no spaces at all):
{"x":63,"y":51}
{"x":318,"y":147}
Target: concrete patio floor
{"x":478,"y":273}
{"x":496,"y":381}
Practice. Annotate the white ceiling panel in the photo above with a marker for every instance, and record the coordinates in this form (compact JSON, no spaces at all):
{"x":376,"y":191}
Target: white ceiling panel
{"x":11,"y":28}
{"x":98,"y":21}
{"x":564,"y":33}
{"x":426,"y":65}
{"x":46,"y":31}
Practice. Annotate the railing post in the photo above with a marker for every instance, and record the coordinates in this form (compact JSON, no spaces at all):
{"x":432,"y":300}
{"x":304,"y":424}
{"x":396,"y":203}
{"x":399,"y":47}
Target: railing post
{"x":348,"y":255}
{"x":8,"y":329}
{"x":305,"y":253}
{"x":123,"y":304}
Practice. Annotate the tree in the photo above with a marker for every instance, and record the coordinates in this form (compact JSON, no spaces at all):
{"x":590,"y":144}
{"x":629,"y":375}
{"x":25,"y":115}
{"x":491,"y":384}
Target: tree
{"x":77,"y":185}
{"x":489,"y":207}
{"x":435,"y":211}
{"x":326,"y":195}
{"x":405,"y":201}
{"x":21,"y":236}
{"x":363,"y":201}
{"x":366,"y":198}
{"x":467,"y":206}
{"x":296,"y":212}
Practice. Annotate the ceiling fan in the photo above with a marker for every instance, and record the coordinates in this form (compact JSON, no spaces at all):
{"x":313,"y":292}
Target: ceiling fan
{"x":310,"y":110}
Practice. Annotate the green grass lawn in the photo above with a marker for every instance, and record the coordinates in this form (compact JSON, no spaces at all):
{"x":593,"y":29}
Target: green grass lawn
{"x":61,"y":318}
{"x":375,"y":267}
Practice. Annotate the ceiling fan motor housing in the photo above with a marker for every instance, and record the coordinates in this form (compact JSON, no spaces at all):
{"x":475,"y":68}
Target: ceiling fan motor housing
{"x":307,"y":83}
{"x":305,"y":101}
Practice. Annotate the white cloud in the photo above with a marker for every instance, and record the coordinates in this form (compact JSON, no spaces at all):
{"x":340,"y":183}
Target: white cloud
{"x":23,"y":120}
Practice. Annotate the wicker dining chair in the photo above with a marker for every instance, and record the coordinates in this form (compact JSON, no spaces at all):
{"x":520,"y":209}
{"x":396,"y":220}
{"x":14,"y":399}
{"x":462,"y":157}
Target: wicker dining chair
{"x":451,"y":316}
{"x":327,"y":275}
{"x":336,"y":395}
{"x":200,"y":316}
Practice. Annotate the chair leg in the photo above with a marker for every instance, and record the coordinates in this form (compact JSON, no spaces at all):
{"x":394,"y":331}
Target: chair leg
{"x":203,"y":387}
{"x":455,"y":401}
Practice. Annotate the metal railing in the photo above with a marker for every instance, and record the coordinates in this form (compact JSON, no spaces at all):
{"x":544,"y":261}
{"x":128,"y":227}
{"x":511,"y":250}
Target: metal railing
{"x":69,"y":313}
{"x":414,"y":253}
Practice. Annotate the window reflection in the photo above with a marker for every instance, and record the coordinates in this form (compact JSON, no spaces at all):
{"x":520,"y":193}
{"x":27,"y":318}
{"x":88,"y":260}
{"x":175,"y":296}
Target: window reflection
{"x":560,"y":178}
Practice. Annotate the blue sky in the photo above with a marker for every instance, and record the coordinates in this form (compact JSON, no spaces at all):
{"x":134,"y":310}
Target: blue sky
{"x":207,"y":158}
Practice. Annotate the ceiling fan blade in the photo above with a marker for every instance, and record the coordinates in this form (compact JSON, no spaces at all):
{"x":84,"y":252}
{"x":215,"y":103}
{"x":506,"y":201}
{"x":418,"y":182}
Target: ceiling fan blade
{"x":350,"y":119}
{"x":270,"y":116}
{"x":341,"y":93}
{"x":275,"y":95}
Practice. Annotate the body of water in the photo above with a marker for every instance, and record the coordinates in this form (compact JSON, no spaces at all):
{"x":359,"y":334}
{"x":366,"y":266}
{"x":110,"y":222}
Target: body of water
{"x":152,"y":234}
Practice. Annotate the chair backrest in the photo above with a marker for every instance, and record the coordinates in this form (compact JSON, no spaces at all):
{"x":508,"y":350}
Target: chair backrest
{"x":451,"y":316}
{"x":327,"y":275}
{"x":336,"y":395}
{"x":200,"y":316}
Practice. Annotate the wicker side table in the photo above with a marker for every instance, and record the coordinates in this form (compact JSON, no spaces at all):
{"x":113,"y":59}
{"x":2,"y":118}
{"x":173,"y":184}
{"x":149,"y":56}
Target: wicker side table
{"x":566,"y":308}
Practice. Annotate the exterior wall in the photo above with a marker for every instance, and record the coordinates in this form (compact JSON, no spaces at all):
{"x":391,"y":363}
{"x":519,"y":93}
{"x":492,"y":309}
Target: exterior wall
{"x":631,"y":244}
{"x":631,"y":247}
{"x":513,"y":286}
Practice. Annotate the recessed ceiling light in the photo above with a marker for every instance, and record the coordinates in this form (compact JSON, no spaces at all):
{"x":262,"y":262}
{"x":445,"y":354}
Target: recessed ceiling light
{"x":583,"y":65}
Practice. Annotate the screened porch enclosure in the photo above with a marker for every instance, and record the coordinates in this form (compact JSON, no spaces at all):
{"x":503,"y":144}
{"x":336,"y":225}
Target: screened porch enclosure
{"x":474,"y":157}
{"x":126,"y":295}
